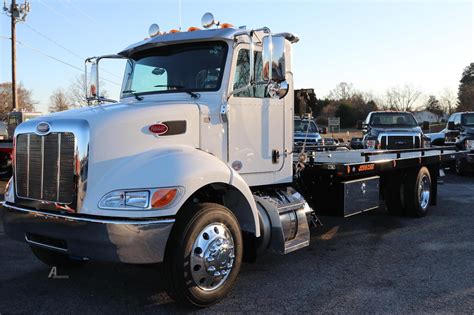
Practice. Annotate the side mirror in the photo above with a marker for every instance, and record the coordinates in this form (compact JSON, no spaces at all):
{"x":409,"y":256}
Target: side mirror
{"x":273,"y":59}
{"x":359,"y":124}
{"x":426,"y":126}
{"x":92,"y":79}
{"x":451,"y":125}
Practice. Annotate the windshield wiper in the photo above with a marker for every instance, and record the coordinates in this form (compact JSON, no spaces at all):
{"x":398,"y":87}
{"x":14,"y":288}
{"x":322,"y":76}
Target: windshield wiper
{"x":138,"y":97}
{"x":177,"y":87}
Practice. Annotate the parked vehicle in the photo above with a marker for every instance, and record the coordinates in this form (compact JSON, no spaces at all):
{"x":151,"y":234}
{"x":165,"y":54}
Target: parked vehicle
{"x":202,"y":176}
{"x":306,"y":132}
{"x":460,"y":132}
{"x":6,"y":139}
{"x":356,"y":143}
{"x":393,"y":130}
{"x":437,"y":138}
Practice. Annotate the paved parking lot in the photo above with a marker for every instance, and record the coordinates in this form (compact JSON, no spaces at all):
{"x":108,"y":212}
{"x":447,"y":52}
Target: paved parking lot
{"x":372,"y":263}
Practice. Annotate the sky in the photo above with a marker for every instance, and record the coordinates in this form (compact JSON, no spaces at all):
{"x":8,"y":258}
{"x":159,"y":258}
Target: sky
{"x":372,"y":44}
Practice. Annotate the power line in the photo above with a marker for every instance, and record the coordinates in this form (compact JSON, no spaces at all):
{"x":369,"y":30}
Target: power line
{"x":52,"y":40}
{"x":55,"y":12}
{"x":78,"y":9}
{"x":53,"y":58}
{"x":64,"y":48}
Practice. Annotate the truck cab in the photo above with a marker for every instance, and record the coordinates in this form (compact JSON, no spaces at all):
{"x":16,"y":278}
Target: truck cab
{"x":393,"y":130}
{"x":460,"y":132}
{"x":193,"y":161}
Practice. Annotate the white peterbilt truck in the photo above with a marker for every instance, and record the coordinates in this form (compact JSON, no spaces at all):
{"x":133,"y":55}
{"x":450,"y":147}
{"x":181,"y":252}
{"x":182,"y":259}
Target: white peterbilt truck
{"x":194,"y":166}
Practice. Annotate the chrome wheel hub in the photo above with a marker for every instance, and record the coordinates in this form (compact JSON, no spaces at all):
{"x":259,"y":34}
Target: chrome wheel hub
{"x":424,"y":191}
{"x":212,"y":257}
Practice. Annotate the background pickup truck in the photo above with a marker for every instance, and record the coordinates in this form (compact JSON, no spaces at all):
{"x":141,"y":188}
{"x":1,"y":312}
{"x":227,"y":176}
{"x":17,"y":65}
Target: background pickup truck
{"x":393,"y":130}
{"x":460,"y":132}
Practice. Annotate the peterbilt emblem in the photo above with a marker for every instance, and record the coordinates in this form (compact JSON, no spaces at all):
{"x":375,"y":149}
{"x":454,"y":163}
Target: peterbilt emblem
{"x":158,"y":129}
{"x":43,"y":128}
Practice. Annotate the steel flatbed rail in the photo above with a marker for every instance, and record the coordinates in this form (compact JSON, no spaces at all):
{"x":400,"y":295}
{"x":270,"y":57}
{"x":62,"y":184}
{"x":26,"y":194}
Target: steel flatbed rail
{"x":355,"y":163}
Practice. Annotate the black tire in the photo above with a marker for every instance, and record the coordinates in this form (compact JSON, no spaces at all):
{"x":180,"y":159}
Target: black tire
{"x":460,"y":167}
{"x":55,"y":259}
{"x":189,"y":229}
{"x":393,"y":194}
{"x":418,"y":192}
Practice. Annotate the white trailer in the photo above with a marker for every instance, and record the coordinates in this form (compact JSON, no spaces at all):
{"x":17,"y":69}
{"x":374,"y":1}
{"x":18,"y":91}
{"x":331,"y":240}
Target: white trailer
{"x":193,"y":167}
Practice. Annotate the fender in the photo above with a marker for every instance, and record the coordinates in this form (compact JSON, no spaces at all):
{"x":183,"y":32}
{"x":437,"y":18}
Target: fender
{"x":179,"y":165}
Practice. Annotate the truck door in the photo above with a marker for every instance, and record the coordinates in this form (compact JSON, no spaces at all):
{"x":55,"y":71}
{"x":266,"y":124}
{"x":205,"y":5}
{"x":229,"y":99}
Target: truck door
{"x":256,"y":122}
{"x":452,"y":134}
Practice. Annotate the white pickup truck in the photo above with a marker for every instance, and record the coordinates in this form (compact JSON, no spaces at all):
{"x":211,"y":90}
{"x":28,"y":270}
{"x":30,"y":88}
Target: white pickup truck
{"x":194,"y":166}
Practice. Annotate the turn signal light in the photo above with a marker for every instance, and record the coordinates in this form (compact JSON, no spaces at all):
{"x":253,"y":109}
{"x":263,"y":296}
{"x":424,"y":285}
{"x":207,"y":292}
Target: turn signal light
{"x":226,"y":25}
{"x":174,"y":31}
{"x":193,"y":28}
{"x":163,"y":197}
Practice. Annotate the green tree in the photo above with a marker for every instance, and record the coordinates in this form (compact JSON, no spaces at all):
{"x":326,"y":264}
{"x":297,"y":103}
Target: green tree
{"x":434,"y":106}
{"x":466,"y":90}
{"x":348,"y":115}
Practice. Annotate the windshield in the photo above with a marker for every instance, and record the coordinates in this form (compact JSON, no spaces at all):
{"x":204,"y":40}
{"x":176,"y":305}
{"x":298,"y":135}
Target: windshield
{"x":176,"y":68}
{"x":392,"y":119}
{"x":302,"y":126}
{"x":468,"y":120}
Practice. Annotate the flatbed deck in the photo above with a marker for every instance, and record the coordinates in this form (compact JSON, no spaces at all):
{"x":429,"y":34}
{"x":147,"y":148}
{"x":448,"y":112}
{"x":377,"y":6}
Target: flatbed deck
{"x":369,"y":162}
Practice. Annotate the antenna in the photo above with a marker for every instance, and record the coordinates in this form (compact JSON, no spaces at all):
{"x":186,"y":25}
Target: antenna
{"x":179,"y":9}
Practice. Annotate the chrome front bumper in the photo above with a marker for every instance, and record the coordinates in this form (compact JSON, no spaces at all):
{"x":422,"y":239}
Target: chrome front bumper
{"x":103,"y":239}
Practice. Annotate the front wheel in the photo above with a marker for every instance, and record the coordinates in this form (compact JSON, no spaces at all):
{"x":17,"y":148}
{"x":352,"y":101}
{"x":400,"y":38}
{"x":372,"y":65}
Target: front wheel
{"x":204,"y":254}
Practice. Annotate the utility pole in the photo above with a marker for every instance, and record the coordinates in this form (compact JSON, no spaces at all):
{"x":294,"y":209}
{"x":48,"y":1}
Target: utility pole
{"x":17,"y":14}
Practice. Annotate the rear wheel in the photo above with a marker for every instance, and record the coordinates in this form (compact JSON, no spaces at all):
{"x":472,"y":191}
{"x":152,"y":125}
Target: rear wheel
{"x":460,"y":167}
{"x":204,"y":254}
{"x":54,"y":259}
{"x":418,"y":192}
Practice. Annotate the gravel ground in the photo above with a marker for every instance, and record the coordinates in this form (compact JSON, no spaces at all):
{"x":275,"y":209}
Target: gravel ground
{"x":371,"y":263}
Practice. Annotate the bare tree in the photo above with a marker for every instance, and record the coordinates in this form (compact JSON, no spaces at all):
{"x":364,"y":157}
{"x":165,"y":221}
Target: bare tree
{"x":25,"y":99}
{"x":448,"y":100}
{"x":342,"y":91}
{"x":59,"y":101}
{"x":77,"y":91}
{"x":401,"y":98}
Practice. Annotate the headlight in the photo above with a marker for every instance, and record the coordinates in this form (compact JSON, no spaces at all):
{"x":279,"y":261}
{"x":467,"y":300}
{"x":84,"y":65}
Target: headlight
{"x":470,"y":145}
{"x":140,"y":199}
{"x":125,"y":200}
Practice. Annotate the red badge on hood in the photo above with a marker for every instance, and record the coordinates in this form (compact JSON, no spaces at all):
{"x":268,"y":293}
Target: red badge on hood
{"x":159,"y":129}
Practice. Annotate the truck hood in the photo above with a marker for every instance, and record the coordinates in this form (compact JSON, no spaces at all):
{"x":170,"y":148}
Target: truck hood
{"x":375,"y":131}
{"x":469,"y":131}
{"x":302,"y":135}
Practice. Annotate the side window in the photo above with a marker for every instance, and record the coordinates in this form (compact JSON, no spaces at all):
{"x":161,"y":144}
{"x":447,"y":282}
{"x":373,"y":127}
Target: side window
{"x":457,"y":119}
{"x":242,"y":72}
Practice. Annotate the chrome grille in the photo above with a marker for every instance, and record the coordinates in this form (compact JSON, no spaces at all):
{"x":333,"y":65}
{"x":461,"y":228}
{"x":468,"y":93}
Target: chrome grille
{"x":399,"y":142}
{"x":44,"y":167}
